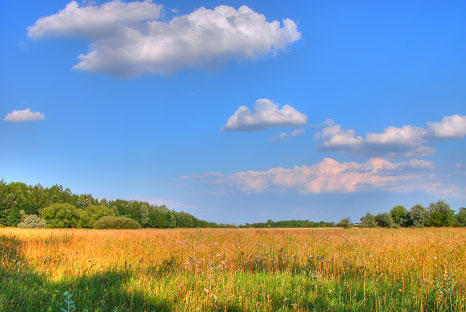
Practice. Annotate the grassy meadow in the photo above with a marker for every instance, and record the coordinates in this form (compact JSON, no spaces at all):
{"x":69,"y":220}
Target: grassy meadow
{"x":233,"y":270}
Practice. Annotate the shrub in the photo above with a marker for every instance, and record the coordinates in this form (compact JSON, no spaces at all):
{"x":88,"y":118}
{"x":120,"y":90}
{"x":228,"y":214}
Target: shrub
{"x":384,"y":220}
{"x":31,"y":222}
{"x":91,"y":214}
{"x":345,"y":223}
{"x":116,"y":223}
{"x":60,"y":216}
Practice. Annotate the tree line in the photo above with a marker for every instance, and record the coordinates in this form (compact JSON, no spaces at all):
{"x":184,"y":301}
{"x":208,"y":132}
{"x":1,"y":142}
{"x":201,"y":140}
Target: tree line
{"x":60,"y":208}
{"x":435,"y":215}
{"x":37,"y":206}
{"x":289,"y":224}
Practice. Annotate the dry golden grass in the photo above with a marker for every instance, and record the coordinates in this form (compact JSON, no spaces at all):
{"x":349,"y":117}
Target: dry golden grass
{"x":253,"y":269}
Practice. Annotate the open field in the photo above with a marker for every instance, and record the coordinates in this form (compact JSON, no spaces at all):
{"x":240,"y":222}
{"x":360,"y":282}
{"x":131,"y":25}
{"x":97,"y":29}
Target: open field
{"x":234,"y":270}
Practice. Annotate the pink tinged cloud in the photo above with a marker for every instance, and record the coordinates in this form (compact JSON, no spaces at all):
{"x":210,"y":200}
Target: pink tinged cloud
{"x":329,"y":176}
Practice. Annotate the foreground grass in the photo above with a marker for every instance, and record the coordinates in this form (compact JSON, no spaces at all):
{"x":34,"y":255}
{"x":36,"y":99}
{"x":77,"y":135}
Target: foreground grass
{"x":234,"y":270}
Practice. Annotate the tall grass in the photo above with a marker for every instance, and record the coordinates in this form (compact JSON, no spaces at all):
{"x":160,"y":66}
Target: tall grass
{"x":234,"y":270}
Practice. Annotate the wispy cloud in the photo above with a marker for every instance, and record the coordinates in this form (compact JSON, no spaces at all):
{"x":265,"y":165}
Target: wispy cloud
{"x":407,"y":141}
{"x":23,"y":116}
{"x":129,"y":38}
{"x":284,"y":135}
{"x":170,"y":203}
{"x":265,"y":114}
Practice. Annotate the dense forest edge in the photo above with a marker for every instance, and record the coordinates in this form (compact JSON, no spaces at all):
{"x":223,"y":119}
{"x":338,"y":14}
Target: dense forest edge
{"x":35,"y":206}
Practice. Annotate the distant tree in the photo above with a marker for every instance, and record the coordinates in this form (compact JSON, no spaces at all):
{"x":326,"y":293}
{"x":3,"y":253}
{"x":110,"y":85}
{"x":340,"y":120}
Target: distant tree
{"x":60,"y":216}
{"x":461,"y":217}
{"x":440,"y":214}
{"x":172,"y":220}
{"x":417,"y":216}
{"x":384,"y":220}
{"x":368,"y":220}
{"x":399,"y":214}
{"x":144,"y":214}
{"x":345,"y":223}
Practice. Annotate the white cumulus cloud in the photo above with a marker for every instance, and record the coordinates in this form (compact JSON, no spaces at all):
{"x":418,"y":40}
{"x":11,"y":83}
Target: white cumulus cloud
{"x":406,"y":141}
{"x":94,"y":21}
{"x":450,"y":127}
{"x":23,"y":115}
{"x":265,"y":114}
{"x":129,"y":39}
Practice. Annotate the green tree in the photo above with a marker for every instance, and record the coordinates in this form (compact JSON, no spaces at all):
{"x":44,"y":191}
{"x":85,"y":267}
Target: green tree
{"x":172,"y":220}
{"x":14,"y":217}
{"x":440,"y":214}
{"x":368,"y":220}
{"x":417,"y":216}
{"x":144,"y":215}
{"x":60,"y":216}
{"x":399,"y":214}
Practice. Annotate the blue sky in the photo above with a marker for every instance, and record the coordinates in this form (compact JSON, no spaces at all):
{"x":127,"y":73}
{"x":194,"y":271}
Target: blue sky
{"x":347,"y":107}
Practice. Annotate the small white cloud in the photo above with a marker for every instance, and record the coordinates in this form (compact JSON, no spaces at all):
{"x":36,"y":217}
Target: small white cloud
{"x":130,"y":38}
{"x":265,"y":114}
{"x":285,"y":135}
{"x":407,"y":141}
{"x":24,"y":115}
{"x":450,"y":127}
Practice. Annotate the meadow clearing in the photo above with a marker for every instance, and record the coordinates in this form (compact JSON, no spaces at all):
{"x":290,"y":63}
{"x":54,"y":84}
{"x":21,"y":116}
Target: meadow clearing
{"x":233,"y":270}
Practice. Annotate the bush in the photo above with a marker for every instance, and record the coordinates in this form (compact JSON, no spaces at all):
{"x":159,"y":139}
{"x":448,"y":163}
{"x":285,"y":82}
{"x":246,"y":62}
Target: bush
{"x":91,"y":214}
{"x":384,"y":220}
{"x":368,"y":220}
{"x":116,"y":223}
{"x":60,"y":216}
{"x":31,"y":222}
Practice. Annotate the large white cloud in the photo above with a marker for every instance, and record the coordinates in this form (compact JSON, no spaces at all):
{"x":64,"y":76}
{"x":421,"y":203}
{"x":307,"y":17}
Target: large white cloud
{"x":407,"y":141}
{"x":265,"y":114}
{"x":127,"y":38}
{"x":331,"y":176}
{"x":23,"y":115}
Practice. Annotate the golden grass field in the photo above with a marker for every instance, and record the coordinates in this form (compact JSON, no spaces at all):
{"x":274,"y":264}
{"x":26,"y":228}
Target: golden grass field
{"x":234,"y":269}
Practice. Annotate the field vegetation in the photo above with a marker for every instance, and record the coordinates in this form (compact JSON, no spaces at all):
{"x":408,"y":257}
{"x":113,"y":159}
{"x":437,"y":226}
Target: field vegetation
{"x":328,"y":269}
